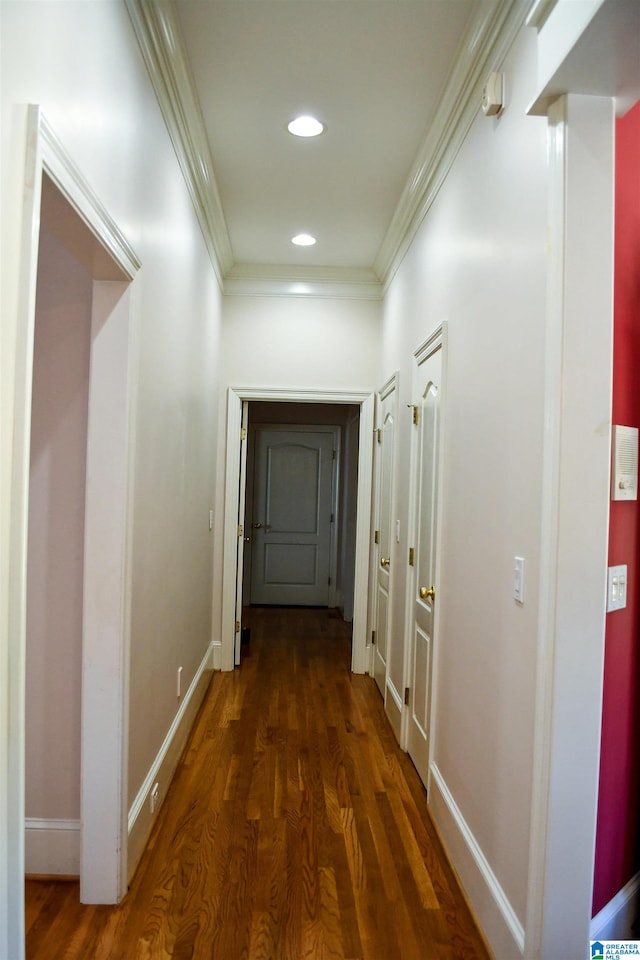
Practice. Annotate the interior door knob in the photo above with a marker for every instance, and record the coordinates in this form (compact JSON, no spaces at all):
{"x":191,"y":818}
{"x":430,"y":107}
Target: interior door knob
{"x":427,"y":593}
{"x":385,"y":562}
{"x":257,"y":526}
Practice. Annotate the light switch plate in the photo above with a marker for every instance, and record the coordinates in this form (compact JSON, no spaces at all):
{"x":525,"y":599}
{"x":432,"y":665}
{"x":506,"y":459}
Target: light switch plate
{"x":617,"y":588}
{"x":518,"y":579}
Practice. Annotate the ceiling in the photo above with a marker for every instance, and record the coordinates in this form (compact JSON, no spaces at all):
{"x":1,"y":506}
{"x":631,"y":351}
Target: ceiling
{"x":391,"y":79}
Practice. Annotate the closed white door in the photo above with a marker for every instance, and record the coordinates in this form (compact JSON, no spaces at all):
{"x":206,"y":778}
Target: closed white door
{"x":425,"y":454}
{"x":384,"y":532}
{"x":292,"y":516}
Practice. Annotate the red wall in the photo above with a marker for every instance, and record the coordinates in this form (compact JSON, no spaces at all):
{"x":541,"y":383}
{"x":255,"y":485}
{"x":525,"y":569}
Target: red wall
{"x":618,"y":834}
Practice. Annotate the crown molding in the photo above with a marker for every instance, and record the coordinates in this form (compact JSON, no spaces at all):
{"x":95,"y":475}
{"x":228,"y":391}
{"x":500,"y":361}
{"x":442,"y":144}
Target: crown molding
{"x":540,"y":12}
{"x":81,"y":196}
{"x":266,"y":280}
{"x":160,"y":41}
{"x":487,"y":42}
{"x":488,"y":39}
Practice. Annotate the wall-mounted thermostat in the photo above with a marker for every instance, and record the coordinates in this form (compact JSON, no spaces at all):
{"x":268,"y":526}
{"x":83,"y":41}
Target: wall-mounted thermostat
{"x":624,"y":463}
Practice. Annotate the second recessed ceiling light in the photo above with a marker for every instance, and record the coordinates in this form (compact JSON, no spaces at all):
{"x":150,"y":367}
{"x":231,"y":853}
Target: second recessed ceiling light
{"x":303,"y":240}
{"x":305,"y":127}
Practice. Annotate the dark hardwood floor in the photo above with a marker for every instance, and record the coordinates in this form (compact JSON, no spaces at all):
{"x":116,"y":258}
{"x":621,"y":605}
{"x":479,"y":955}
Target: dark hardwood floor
{"x":294,"y":829}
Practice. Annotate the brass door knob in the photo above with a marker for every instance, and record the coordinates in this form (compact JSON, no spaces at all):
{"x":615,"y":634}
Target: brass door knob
{"x":427,"y":593}
{"x":385,"y":562}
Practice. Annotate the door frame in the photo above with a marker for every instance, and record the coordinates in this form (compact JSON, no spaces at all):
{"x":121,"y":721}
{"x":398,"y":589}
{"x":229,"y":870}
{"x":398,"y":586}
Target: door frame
{"x":104,"y":711}
{"x":224,"y":657}
{"x":390,"y":386}
{"x":437,"y":340}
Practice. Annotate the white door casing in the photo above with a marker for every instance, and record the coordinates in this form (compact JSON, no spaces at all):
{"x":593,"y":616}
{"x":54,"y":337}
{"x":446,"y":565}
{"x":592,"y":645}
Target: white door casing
{"x":225,"y":645}
{"x":293,"y":514}
{"x":422,"y":583}
{"x":382,"y":552}
{"x":242,"y":533}
{"x":104,"y":709}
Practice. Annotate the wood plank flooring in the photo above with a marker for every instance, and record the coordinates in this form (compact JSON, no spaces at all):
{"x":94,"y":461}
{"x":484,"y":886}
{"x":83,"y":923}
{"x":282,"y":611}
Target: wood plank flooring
{"x":294,"y":829}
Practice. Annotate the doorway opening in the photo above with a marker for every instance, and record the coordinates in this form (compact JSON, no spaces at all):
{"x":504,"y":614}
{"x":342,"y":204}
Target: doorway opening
{"x":77,"y":528}
{"x":275,"y":407}
{"x":71,"y":483}
{"x":301,"y":505}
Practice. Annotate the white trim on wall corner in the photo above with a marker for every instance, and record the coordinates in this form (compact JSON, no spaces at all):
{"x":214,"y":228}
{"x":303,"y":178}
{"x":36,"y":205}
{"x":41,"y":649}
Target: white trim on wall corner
{"x":615,"y":920}
{"x":491,"y":905}
{"x":52,"y":847}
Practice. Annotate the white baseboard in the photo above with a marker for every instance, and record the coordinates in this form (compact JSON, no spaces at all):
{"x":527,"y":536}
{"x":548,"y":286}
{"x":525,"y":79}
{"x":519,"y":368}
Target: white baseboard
{"x":52,"y":847}
{"x":487,"y":899}
{"x":216,"y":654}
{"x":615,"y":920}
{"x":163,"y":767}
{"x":393,"y":706}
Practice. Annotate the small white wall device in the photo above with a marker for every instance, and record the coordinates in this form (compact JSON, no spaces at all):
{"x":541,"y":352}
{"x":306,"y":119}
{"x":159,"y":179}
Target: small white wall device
{"x":492,"y":95}
{"x":624,"y":463}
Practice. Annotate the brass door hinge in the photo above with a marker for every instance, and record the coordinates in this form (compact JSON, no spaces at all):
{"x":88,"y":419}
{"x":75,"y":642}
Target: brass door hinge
{"x":415,"y":413}
{"x":373,"y":638}
{"x":379,"y":432}
{"x":240,"y":529}
{"x":406,"y":696}
{"x":376,"y":536}
{"x":411,"y":556}
{"x":243,"y":433}
{"x":237,"y":626}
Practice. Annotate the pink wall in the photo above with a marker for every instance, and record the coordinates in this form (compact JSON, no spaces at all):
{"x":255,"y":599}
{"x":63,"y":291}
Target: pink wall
{"x":618,"y":837}
{"x":56,"y":533}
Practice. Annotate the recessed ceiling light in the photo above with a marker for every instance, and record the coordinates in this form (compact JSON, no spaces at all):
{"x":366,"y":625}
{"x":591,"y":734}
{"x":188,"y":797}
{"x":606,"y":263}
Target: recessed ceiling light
{"x":303,"y":240}
{"x":305,"y":127}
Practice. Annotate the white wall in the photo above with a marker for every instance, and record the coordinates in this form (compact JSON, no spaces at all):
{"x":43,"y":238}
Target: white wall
{"x":479,"y":263}
{"x":295,"y":343}
{"x":81,"y":63}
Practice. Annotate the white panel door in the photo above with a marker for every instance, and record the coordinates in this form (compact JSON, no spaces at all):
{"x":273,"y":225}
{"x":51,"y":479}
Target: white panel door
{"x":426,"y":392}
{"x":292,"y":516}
{"x":384,"y":533}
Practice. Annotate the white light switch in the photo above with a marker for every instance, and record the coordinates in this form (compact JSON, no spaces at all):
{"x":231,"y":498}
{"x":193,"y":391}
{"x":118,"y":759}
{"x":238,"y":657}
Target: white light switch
{"x":617,"y":588}
{"x":518,"y":579}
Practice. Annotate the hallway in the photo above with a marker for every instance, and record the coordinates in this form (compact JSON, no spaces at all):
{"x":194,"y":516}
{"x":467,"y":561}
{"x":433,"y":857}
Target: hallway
{"x":294,"y":828}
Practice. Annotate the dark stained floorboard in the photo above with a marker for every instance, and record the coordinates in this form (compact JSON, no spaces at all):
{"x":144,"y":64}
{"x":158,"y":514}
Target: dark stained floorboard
{"x":294,"y":829}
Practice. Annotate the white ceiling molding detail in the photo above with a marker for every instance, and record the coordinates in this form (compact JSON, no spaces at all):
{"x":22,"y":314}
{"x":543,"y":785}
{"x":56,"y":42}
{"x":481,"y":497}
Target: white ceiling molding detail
{"x":262,"y":280}
{"x":487,"y":43}
{"x":539,"y":13}
{"x":162,"y":48}
{"x":81,"y":197}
